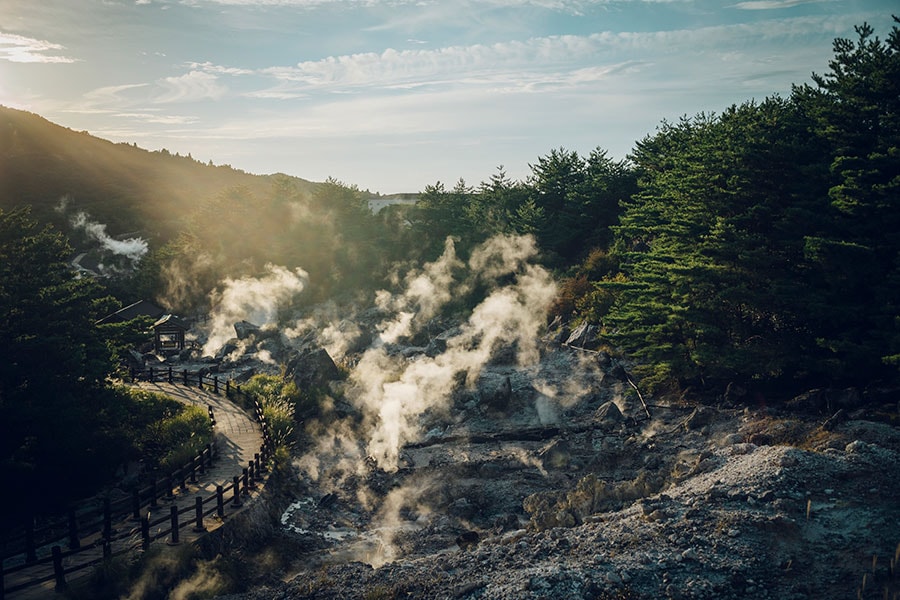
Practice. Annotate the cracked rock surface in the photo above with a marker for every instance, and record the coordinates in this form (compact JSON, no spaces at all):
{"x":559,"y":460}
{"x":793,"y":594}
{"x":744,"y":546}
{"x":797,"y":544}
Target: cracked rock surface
{"x":513,"y":494}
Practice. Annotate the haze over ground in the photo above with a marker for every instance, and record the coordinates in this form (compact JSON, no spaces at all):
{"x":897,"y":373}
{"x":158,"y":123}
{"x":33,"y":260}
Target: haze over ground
{"x":395,"y":95}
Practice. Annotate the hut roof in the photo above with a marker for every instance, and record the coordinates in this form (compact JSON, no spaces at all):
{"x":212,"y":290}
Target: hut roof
{"x":138,"y":309}
{"x":171,"y":321}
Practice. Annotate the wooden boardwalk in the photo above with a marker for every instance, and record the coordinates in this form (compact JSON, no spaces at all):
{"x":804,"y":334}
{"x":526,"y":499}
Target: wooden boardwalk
{"x":238,"y":441}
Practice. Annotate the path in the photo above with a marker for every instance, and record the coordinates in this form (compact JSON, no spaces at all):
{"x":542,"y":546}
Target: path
{"x":238,"y":439}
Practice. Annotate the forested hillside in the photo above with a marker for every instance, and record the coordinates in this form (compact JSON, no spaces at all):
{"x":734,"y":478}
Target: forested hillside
{"x":123,"y":186}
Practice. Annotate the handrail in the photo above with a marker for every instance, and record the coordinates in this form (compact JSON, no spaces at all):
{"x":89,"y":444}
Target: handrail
{"x":28,"y":546}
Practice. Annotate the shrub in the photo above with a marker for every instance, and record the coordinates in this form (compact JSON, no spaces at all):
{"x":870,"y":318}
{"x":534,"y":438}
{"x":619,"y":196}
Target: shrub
{"x":185,"y":435}
{"x":171,"y":442}
{"x":279,"y":400}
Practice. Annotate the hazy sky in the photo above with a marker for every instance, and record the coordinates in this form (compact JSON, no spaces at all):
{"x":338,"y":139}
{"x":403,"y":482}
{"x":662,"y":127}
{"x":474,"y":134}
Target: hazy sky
{"x":392,"y":95}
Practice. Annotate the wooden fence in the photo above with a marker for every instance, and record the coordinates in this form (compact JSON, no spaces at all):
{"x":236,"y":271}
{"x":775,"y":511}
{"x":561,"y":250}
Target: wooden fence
{"x":99,"y":530}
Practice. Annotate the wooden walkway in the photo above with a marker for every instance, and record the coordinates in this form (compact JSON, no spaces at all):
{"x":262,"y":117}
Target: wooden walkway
{"x":238,"y":442}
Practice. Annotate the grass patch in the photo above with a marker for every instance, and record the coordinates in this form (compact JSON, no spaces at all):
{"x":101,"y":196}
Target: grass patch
{"x":806,"y":435}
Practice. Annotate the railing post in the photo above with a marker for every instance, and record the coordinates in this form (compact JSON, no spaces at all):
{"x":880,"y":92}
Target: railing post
{"x":133,"y":373}
{"x":182,"y":479}
{"x":216,"y":385}
{"x":198,"y":514}
{"x":193,"y":477}
{"x":200,"y":380}
{"x":220,"y":502}
{"x":107,"y":518}
{"x":251,"y":476}
{"x":107,"y":548}
{"x":169,"y":377}
{"x":136,"y":503}
{"x":228,"y":388}
{"x":209,"y":450}
{"x":145,"y":531}
{"x":184,"y":375}
{"x":173,"y":515}
{"x":260,"y":465}
{"x":73,"y":531}
{"x":30,"y":550}
{"x":212,"y":416}
{"x":245,"y":480}
{"x":150,"y":378}
{"x":58,"y":569}
{"x":170,"y":484}
{"x":236,"y":486}
{"x":153,"y":492}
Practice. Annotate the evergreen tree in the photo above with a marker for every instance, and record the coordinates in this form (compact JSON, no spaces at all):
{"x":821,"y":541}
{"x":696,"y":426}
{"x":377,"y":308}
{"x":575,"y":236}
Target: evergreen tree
{"x":856,"y":106}
{"x":53,"y":374}
{"x":713,"y":248}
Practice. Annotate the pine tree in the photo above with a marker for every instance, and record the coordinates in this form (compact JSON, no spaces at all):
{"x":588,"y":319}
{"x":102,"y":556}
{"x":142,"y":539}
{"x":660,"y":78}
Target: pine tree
{"x":856,"y":106}
{"x":712,"y":247}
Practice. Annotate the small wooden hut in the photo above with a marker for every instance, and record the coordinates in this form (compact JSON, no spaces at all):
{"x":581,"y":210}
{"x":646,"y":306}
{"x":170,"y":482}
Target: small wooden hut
{"x":168,"y":334}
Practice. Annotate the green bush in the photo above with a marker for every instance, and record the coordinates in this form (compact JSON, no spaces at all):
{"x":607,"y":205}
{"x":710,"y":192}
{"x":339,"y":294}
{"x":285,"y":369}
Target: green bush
{"x":166,"y":433}
{"x":279,"y":400}
{"x":184,"y":435}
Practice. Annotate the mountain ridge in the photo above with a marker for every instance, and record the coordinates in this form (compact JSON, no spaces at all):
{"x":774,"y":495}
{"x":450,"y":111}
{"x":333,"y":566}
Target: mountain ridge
{"x":121,"y":184}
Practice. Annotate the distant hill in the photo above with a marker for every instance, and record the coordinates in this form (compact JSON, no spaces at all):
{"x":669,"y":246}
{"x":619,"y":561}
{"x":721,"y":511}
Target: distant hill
{"x":127,"y":188}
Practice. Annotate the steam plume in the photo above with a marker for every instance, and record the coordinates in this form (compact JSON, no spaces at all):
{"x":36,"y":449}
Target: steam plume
{"x":132,"y":248}
{"x":393,"y":393}
{"x":253,"y":299}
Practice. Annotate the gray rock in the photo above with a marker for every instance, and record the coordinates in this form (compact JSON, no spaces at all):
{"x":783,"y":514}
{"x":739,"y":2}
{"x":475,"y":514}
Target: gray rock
{"x":311,"y":368}
{"x":244,"y":329}
{"x":584,"y":336}
{"x":608,"y":415}
{"x":499,"y":399}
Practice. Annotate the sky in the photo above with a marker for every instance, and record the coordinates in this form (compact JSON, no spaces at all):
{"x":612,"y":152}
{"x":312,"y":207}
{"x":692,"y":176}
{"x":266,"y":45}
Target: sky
{"x":395,"y":95}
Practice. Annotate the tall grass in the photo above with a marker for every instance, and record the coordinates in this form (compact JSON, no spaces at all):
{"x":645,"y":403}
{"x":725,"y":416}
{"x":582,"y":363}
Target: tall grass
{"x":278,"y":399}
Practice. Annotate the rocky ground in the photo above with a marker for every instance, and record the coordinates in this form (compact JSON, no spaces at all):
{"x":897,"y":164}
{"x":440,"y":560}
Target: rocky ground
{"x":514,"y":492}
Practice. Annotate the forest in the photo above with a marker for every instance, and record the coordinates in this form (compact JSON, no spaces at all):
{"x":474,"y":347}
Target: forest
{"x":756,"y":247}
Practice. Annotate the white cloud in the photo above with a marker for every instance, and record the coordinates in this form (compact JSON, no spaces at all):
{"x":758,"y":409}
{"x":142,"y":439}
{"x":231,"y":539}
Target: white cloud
{"x":774,"y":4}
{"x":208,"y":67}
{"x":159,"y":119}
{"x":539,"y":64}
{"x":21,"y":49}
{"x":191,"y":87}
{"x":110,"y":94}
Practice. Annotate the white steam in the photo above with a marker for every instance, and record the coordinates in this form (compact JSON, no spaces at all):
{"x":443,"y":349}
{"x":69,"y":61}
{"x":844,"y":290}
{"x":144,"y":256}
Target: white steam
{"x":253,"y":299}
{"x":336,"y":333}
{"x":393,"y":393}
{"x":131,"y":248}
{"x":426,"y":293}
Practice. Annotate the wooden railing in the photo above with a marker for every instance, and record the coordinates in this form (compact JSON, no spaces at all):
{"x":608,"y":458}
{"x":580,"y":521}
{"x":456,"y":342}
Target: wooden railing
{"x":102,"y":526}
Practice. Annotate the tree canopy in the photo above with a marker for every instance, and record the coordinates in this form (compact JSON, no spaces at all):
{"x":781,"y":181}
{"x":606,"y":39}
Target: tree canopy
{"x":762,"y":245}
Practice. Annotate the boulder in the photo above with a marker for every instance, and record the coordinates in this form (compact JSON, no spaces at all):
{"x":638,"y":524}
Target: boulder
{"x":557,"y":331}
{"x":244,"y":329}
{"x":583,"y":336}
{"x":438,"y":344}
{"x":311,"y":368}
{"x":228,"y":348}
{"x":608,"y":415}
{"x":556,"y":455}
{"x":498,"y":397}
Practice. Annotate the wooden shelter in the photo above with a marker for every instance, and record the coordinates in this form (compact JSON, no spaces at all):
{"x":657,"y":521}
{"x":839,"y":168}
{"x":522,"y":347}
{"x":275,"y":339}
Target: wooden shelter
{"x":168,"y":334}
